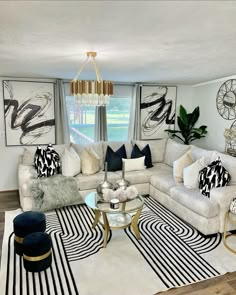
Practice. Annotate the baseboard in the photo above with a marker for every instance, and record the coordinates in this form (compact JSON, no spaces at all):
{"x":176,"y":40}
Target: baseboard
{"x":10,"y":191}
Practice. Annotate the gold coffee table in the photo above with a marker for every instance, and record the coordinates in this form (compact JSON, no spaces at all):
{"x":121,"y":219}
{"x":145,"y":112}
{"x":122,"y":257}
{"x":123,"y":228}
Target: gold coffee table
{"x":127,"y":214}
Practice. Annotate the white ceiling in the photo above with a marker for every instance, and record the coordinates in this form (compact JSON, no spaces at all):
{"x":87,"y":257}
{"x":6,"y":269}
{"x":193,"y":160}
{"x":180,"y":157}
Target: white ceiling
{"x":178,"y":42}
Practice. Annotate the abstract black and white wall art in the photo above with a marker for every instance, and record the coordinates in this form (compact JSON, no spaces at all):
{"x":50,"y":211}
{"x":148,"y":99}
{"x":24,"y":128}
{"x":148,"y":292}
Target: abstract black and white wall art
{"x":29,"y":112}
{"x":157,"y":107}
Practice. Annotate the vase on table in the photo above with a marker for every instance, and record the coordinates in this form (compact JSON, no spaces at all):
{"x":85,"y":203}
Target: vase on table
{"x":122,"y":183}
{"x":105,"y":184}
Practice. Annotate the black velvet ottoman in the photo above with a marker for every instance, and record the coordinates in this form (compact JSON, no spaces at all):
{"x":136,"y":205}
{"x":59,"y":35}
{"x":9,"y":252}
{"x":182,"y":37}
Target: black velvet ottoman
{"x":37,"y":254}
{"x":27,"y":223}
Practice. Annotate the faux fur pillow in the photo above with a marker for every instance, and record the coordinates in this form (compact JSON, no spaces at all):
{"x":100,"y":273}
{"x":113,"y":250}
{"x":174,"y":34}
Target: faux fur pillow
{"x":54,"y":192}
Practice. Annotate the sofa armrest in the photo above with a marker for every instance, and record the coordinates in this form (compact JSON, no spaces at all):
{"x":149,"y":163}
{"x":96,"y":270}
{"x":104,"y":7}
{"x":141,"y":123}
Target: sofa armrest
{"x":25,"y":175}
{"x":223,"y":196}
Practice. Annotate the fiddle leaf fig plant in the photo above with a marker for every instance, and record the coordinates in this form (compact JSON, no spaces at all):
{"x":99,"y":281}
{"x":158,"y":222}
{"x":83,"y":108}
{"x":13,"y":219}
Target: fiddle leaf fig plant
{"x":186,"y":122}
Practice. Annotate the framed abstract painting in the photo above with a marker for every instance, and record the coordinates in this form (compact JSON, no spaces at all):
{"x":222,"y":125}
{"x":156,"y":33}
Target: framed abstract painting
{"x":157,"y":110}
{"x":29,"y":112}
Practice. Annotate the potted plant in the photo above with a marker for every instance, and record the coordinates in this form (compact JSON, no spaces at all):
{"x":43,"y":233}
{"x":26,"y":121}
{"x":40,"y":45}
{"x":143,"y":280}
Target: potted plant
{"x":186,"y":122}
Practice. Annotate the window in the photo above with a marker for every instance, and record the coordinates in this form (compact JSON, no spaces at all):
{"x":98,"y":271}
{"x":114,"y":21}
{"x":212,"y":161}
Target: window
{"x":118,"y":113}
{"x":82,"y":118}
{"x":118,"y":118}
{"x":81,"y":121}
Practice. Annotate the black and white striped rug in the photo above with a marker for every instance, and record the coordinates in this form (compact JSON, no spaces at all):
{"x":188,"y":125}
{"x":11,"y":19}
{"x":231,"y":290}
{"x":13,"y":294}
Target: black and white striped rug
{"x":170,"y":254}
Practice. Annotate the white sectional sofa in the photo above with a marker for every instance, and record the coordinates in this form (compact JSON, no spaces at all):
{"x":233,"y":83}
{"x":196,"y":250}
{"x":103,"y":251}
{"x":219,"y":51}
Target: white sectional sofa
{"x":206,"y":215}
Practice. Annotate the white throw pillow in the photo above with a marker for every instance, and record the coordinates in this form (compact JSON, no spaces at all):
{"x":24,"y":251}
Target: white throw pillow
{"x":192,"y":171}
{"x":134,"y":164}
{"x":90,"y":161}
{"x":70,"y":162}
{"x":180,"y":164}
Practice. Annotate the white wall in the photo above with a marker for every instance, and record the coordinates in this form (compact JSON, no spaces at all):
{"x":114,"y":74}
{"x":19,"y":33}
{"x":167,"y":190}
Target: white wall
{"x":204,"y":96}
{"x":9,"y":154}
{"x":184,"y":97}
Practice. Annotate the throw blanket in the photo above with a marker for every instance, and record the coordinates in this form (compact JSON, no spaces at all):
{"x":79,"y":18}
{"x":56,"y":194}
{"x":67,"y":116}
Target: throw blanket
{"x":54,"y":192}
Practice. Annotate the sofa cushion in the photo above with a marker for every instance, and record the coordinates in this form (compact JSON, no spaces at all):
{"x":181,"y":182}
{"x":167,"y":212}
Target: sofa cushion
{"x":180,"y":164}
{"x":193,"y":200}
{"x":137,"y":153}
{"x":97,"y":147}
{"x":114,"y":158}
{"x":163,"y":182}
{"x":229,"y":163}
{"x":136,"y":177}
{"x":174,"y":151}
{"x":115,"y":145}
{"x":198,"y":153}
{"x":143,"y":176}
{"x":157,"y":148}
{"x":161,"y":169}
{"x":91,"y":182}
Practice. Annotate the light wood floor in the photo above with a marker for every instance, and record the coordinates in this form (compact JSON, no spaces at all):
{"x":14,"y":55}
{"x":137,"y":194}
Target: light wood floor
{"x":223,"y":285}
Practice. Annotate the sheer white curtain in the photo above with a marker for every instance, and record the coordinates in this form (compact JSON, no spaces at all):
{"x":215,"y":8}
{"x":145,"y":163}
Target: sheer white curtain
{"x":134,"y":121}
{"x":61,"y":118}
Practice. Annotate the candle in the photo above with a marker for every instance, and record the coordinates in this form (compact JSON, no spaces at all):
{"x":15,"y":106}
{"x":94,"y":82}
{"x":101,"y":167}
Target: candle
{"x":114,"y":203}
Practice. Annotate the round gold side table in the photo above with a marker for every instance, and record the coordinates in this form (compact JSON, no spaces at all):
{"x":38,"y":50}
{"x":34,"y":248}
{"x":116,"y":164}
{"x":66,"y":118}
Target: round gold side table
{"x":229,"y":217}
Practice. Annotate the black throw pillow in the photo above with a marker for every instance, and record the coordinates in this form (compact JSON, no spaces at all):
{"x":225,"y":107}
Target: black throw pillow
{"x":213,"y":175}
{"x":146,"y":151}
{"x":114,"y":159}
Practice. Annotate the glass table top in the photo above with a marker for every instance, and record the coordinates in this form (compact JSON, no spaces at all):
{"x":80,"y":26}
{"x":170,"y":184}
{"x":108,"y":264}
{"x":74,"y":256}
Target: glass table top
{"x":94,"y":201}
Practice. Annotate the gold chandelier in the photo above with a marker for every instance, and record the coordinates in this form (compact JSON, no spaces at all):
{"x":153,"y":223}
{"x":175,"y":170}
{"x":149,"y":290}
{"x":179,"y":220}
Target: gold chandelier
{"x":91,"y":92}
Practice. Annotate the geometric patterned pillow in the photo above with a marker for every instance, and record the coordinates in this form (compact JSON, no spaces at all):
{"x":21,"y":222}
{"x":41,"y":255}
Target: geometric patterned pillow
{"x":53,"y":161}
{"x":213,"y":175}
{"x":232,"y":206}
{"x":46,"y":162}
{"x":39,"y":161}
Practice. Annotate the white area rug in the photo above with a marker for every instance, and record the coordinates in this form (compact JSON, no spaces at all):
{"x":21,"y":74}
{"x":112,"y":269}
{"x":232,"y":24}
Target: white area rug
{"x":170,"y":254}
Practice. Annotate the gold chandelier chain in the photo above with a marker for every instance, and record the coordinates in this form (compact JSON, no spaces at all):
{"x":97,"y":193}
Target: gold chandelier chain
{"x":81,"y":69}
{"x":97,"y":72}
{"x":98,"y":75}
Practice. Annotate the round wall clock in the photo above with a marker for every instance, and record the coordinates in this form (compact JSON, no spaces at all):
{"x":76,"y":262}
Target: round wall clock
{"x":226,"y":100}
